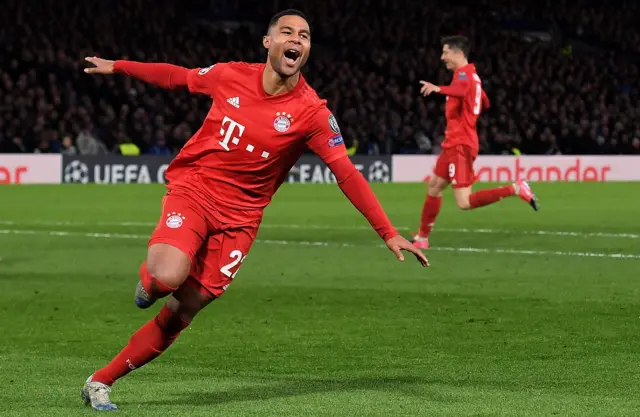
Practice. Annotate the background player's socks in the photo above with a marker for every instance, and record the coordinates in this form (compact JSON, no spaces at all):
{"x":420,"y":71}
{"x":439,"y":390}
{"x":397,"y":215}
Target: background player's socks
{"x":485,"y":197}
{"x":430,"y":211}
{"x":152,"y":286}
{"x":145,"y":345}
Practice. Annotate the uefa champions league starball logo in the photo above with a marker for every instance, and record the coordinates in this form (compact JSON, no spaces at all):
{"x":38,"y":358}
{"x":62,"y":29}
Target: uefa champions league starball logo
{"x":379,"y":172}
{"x":76,"y":172}
{"x":283,"y":121}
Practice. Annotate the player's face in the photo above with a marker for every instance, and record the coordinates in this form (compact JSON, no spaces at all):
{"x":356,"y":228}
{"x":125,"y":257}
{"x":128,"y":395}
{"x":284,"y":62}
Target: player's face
{"x":289,"y":43}
{"x":450,"y":57}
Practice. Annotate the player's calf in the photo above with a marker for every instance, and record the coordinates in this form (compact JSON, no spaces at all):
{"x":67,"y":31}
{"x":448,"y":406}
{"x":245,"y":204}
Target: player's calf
{"x":467,"y":200}
{"x":149,"y":342}
{"x":430,"y":211}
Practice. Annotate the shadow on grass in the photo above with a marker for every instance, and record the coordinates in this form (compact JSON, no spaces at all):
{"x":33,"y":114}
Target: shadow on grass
{"x":299,"y":386}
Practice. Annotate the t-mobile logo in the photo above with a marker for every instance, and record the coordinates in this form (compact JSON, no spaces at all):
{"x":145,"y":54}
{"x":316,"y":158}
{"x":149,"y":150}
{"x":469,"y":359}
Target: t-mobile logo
{"x":228,"y":133}
{"x":228,"y":129}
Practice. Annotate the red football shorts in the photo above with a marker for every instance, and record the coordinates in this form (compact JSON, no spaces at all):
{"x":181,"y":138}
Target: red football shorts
{"x":216,"y":251}
{"x":455,"y":165}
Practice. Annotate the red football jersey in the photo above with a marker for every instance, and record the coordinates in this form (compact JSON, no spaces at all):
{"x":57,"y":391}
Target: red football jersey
{"x":249,"y":140}
{"x":465,"y":102}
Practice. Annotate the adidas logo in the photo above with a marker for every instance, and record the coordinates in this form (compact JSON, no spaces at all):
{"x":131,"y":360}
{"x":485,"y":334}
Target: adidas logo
{"x":234,"y":101}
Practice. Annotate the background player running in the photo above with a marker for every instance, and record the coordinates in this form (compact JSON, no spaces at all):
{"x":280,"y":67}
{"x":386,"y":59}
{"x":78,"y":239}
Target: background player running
{"x":263,"y":118}
{"x":465,"y":102}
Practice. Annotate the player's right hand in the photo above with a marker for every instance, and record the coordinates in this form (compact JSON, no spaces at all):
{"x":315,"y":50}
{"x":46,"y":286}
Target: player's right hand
{"x":102,"y":66}
{"x":397,"y":244}
{"x":428,"y":88}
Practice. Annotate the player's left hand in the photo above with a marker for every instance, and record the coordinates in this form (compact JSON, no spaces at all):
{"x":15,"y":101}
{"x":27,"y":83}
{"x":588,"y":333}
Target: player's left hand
{"x":428,"y":88}
{"x":397,"y":244}
{"x":102,"y":66}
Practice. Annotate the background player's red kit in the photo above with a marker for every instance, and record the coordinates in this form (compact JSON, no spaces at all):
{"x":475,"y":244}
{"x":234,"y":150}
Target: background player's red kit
{"x":465,"y":101}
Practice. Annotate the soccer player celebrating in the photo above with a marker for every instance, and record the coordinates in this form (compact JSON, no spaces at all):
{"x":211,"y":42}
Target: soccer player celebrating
{"x":465,"y":101}
{"x":263,"y":118}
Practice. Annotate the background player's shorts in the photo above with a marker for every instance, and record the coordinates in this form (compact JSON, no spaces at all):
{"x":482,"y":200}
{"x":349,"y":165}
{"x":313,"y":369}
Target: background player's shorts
{"x":216,"y":251}
{"x":455,"y":165}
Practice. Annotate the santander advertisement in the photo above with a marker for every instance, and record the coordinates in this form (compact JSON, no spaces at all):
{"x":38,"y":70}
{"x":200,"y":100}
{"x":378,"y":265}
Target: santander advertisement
{"x":30,"y":169}
{"x":416,"y":168}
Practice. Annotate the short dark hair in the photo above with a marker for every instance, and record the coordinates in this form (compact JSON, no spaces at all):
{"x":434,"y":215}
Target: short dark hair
{"x":458,"y":42}
{"x":288,"y":12}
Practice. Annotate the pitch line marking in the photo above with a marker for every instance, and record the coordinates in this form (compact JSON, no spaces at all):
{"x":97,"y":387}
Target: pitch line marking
{"x":329,"y":227}
{"x":95,"y":235}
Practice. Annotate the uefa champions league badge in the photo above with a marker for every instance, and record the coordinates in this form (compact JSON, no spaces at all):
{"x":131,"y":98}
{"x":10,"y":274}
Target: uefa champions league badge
{"x":174,"y":220}
{"x":282,"y":122}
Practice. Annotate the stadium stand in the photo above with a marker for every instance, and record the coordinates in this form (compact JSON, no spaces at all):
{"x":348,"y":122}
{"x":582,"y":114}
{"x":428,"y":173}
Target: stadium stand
{"x":562,"y":76}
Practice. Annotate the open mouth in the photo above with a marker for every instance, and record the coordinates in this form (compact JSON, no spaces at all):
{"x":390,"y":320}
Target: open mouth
{"x":291,"y":56}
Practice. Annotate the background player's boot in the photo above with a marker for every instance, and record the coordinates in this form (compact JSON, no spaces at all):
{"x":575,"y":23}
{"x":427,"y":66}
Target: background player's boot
{"x":523,"y":190}
{"x":143,"y":299}
{"x":96,"y":394}
{"x":420,"y":242}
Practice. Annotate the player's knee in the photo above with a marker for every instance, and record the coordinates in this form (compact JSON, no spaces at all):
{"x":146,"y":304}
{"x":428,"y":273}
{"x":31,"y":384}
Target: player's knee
{"x":462,"y":196}
{"x":434,"y":192}
{"x":463,"y":204}
{"x":462,"y":200}
{"x":168,"y":265}
{"x":435,"y":189}
{"x":171,"y":275}
{"x":167,"y":273}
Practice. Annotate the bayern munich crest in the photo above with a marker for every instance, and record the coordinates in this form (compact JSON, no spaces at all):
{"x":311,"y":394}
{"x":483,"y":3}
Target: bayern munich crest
{"x":282,"y":122}
{"x":174,"y":220}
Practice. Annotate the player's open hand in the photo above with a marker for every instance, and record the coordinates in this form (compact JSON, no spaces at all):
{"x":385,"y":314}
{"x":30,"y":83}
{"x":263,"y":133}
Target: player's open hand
{"x":428,"y":88}
{"x":102,"y":66}
{"x":397,"y":244}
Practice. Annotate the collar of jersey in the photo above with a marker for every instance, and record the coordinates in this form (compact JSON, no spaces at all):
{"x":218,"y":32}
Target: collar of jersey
{"x":465,"y":67}
{"x":279,"y":97}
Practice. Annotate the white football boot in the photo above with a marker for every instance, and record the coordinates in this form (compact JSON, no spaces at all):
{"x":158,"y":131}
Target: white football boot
{"x":96,"y":394}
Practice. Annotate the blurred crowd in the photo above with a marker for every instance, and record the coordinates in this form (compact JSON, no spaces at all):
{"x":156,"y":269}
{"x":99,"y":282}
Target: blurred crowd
{"x":562,"y":77}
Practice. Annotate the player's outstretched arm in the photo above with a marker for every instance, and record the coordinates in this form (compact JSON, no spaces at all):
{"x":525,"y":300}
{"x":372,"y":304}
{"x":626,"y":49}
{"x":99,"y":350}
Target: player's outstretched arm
{"x":166,"y":76}
{"x":356,"y":188}
{"x":456,"y":89}
{"x":327,"y":142}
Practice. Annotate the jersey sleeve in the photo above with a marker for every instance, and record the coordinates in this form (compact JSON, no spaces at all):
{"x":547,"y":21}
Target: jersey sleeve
{"x":486,"y":103}
{"x":458,"y":87}
{"x":204,"y":80}
{"x":324,"y":138}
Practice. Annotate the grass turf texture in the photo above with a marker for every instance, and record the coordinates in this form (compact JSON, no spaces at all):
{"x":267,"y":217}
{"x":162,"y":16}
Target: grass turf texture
{"x":325,"y":329}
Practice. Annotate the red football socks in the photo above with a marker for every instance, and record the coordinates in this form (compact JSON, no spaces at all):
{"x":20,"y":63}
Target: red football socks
{"x":151,"y":285}
{"x":145,"y":345}
{"x":430,"y":211}
{"x":485,"y":197}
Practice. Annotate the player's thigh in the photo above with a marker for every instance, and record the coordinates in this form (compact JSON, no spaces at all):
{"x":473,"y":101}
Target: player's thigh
{"x":461,"y":171}
{"x":219,"y":260}
{"x":441,"y":175}
{"x":177,"y":238}
{"x":436,"y":186}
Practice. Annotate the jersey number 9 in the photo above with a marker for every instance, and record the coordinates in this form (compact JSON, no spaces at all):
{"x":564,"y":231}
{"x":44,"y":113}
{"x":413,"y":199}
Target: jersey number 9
{"x":478,"y":100}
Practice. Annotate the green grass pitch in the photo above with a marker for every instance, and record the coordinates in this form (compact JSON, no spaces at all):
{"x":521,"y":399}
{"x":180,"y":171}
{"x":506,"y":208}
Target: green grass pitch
{"x":521,"y":314}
